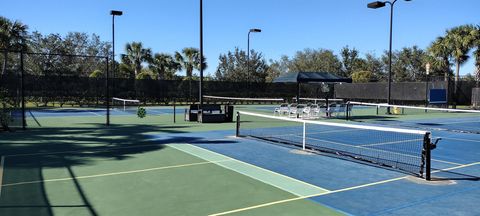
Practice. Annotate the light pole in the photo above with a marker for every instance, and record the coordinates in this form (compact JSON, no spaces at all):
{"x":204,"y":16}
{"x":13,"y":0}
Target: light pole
{"x":248,"y":52}
{"x":114,"y":13}
{"x":376,"y":5}
{"x":427,"y":72}
{"x":200,"y":84}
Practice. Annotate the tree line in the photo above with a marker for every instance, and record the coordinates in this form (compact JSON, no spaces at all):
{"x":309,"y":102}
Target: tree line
{"x":448,"y":51}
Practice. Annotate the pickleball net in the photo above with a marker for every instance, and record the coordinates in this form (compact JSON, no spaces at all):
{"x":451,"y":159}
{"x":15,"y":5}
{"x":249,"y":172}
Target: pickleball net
{"x":241,"y":100}
{"x":125,"y":105}
{"x":423,"y":118}
{"x":400,"y":149}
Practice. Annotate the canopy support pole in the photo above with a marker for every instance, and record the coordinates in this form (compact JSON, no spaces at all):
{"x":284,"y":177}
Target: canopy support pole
{"x":298,"y":92}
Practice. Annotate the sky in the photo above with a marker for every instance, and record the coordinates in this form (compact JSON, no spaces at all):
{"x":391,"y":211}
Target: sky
{"x":287,"y":26}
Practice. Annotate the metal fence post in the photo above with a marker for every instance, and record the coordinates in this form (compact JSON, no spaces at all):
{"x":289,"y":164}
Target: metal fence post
{"x":22,"y":71}
{"x":237,"y":132}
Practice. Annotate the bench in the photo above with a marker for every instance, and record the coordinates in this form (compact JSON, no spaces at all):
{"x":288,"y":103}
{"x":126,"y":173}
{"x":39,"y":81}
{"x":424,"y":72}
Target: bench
{"x":211,"y":113}
{"x":192,"y":113}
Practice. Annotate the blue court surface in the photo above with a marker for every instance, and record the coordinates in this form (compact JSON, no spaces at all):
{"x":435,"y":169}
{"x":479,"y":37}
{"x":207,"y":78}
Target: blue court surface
{"x":82,"y":112}
{"x":350,"y":187}
{"x":467,"y":121}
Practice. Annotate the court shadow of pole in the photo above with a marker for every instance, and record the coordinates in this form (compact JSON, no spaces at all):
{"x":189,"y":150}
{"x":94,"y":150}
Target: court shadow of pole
{"x":80,"y":191}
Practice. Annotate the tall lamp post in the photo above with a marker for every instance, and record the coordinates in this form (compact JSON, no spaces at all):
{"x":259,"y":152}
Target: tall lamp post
{"x":376,"y":5}
{"x":254,"y":30}
{"x":427,"y":72}
{"x":114,"y":13}
{"x":200,"y":84}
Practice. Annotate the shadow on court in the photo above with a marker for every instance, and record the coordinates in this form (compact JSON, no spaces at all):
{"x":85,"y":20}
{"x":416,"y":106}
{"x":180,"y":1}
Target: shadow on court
{"x":28,"y":154}
{"x":455,"y":176}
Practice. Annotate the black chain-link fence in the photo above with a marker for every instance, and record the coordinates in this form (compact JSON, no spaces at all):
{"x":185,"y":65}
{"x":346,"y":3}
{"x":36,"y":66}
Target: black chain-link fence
{"x":406,"y":92}
{"x":56,"y":80}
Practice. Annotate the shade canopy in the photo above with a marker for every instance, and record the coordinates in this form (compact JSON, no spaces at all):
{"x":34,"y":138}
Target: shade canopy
{"x":309,"y":77}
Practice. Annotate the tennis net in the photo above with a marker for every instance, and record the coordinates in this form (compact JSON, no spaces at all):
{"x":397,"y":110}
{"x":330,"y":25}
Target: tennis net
{"x":321,"y":101}
{"x":125,"y":105}
{"x":240,"y":100}
{"x":428,"y":118}
{"x":401,"y":149}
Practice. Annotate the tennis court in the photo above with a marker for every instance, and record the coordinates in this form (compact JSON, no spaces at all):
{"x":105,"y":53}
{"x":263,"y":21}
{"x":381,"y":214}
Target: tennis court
{"x":74,"y":165}
{"x":146,"y":108}
{"x":431,"y":118}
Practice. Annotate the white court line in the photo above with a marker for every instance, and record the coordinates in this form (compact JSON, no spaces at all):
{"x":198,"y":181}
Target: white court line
{"x":2,"y":162}
{"x":457,"y":167}
{"x":95,"y":113}
{"x":332,"y":192}
{"x":459,"y":139}
{"x":114,"y":173}
{"x":275,"y":179}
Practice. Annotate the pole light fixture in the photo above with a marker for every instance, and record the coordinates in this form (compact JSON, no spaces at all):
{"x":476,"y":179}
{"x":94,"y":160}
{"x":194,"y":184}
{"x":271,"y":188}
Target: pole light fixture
{"x":427,"y":72}
{"x":200,"y":84}
{"x":116,"y":13}
{"x":253,"y":30}
{"x":376,"y":5}
{"x":113,"y":13}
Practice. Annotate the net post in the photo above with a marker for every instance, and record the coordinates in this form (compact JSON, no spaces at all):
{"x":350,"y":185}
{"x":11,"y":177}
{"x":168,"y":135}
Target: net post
{"x":237,"y":131}
{"x":185,"y":115}
{"x":347,"y":117}
{"x":303,"y":136}
{"x":428,"y":156}
{"x":174,"y":111}
{"x":378,"y":107}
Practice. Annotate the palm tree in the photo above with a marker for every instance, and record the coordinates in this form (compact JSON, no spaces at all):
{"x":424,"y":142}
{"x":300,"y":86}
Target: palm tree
{"x":189,"y":59}
{"x":164,"y":65}
{"x":13,"y":36}
{"x":136,"y":55}
{"x":477,"y":62}
{"x":440,"y":56}
{"x":476,"y":54}
{"x":461,"y":40}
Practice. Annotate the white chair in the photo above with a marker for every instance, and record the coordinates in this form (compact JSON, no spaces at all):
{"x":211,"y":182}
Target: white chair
{"x":292,"y":109}
{"x":297,"y":111}
{"x":339,"y":110}
{"x":314,"y":111}
{"x":306,"y":112}
{"x":282,"y":110}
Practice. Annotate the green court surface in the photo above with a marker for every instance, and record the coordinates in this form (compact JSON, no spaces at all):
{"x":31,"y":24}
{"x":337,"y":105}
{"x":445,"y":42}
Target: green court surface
{"x":74,"y":164}
{"x":77,"y":166}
